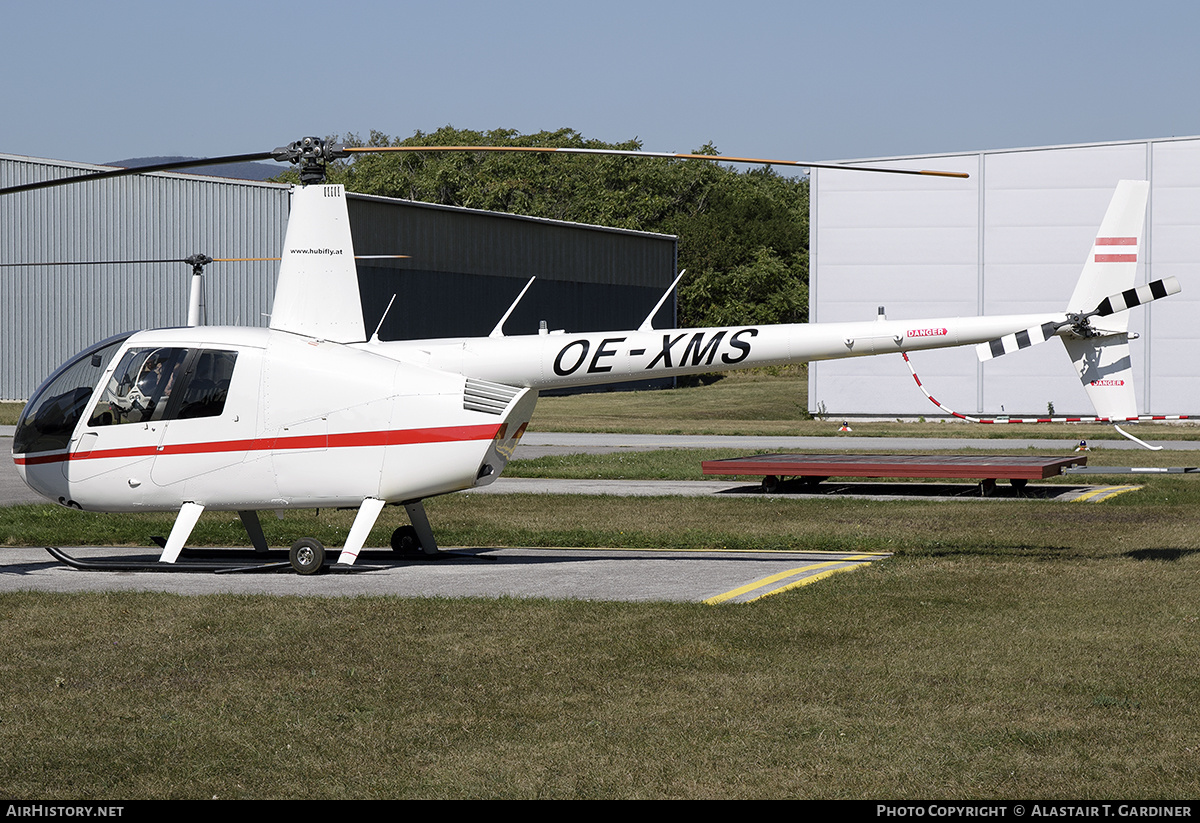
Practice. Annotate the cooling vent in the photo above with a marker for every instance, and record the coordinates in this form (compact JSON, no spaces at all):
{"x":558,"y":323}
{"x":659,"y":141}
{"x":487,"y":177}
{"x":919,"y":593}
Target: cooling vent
{"x":482,"y":396}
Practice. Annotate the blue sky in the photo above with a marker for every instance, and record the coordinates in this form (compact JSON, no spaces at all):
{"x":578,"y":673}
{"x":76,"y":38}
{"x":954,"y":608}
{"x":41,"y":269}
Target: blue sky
{"x":815,"y":81}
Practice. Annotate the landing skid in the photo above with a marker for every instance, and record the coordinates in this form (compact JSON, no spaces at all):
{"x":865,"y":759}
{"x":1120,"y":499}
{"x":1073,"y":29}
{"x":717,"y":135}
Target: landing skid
{"x":216,"y":565}
{"x":306,"y":556}
{"x":420,"y":556}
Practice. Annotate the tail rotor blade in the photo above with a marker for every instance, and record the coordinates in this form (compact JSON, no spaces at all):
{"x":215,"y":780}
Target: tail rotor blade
{"x":1110,"y":305}
{"x":1015,"y":342}
{"x":1129,"y":298}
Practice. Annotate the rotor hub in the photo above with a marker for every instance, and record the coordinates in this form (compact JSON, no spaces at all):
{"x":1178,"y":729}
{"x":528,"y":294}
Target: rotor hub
{"x":198,"y":262}
{"x":1081,"y":324}
{"x":310,"y":155}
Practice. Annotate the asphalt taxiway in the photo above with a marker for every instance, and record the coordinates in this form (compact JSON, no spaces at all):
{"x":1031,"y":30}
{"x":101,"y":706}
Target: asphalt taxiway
{"x":584,"y":574}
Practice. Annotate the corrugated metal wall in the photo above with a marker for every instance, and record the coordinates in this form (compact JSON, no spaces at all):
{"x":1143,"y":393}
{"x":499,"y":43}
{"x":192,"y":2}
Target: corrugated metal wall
{"x":1011,"y":239}
{"x":465,"y":270}
{"x":48,"y":313}
{"x":467,"y":266}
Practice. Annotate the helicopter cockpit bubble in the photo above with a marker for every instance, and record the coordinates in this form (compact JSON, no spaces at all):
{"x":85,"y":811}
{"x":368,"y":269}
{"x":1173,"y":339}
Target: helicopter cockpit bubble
{"x":50,"y":416}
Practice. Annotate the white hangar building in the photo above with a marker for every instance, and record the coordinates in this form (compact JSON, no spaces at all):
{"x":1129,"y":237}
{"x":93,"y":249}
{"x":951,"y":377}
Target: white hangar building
{"x":1010,"y":239}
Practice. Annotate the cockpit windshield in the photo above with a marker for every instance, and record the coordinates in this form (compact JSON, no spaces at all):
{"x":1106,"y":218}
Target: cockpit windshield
{"x":52,"y":413}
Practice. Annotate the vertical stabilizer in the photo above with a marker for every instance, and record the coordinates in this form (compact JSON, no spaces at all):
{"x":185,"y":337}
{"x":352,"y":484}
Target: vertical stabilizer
{"x":1112,"y":262}
{"x":1106,"y":372}
{"x":317,"y":292}
{"x":1102,"y":359}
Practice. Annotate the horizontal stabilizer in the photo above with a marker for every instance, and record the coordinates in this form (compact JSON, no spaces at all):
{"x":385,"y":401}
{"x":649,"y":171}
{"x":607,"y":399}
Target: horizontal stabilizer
{"x":1129,"y":298}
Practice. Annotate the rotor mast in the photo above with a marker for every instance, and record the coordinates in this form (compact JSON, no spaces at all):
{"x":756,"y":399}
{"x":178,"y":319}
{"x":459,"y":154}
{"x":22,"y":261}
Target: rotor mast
{"x":197,"y":307}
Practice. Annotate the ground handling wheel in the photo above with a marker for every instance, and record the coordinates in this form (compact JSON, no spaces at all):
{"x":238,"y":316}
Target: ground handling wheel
{"x":307,"y":555}
{"x":406,"y":542}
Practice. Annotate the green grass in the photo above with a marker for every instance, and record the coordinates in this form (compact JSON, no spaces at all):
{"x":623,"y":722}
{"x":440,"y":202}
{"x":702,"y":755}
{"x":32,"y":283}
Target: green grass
{"x":9,"y":412}
{"x":1009,"y":649}
{"x":775,"y":402}
{"x":953,"y":677}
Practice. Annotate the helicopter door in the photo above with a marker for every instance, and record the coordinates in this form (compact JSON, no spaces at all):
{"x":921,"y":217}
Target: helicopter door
{"x":209,"y":421}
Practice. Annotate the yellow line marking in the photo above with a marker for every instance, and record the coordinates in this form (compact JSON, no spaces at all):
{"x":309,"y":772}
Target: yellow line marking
{"x":1104,"y":493}
{"x":858,"y":560}
{"x":842,"y":556}
{"x":805,"y":581}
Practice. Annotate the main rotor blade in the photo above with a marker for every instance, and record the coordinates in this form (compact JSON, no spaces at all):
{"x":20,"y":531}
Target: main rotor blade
{"x":122,"y":172}
{"x":185,"y":260}
{"x":95,"y":262}
{"x":715,"y":158}
{"x":323,"y":152}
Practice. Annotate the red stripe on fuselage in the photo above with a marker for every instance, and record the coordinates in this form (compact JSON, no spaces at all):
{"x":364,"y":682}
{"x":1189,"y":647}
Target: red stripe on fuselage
{"x":403,"y":437}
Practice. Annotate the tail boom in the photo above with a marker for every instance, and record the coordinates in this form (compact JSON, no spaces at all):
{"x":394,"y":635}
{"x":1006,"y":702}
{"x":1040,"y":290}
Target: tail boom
{"x":546,"y":361}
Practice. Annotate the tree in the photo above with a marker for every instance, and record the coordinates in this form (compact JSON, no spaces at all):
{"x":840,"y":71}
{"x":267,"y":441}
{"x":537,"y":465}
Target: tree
{"x":768,"y":289}
{"x":743,"y":236}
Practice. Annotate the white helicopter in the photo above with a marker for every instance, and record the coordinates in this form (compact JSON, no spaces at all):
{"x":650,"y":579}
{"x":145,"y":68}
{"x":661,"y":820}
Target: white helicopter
{"x":311,"y":412}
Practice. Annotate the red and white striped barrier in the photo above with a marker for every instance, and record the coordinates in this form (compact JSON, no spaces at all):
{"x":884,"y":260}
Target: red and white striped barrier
{"x":1096,"y":419}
